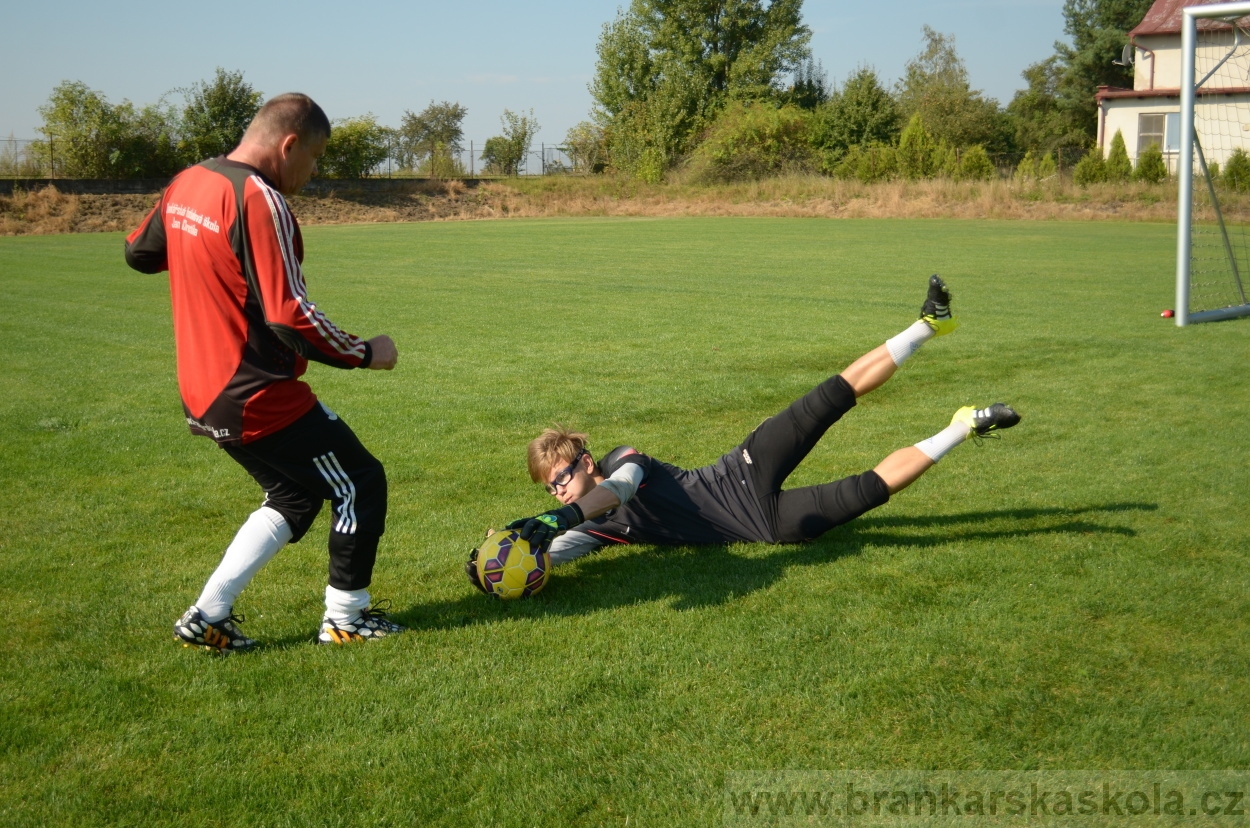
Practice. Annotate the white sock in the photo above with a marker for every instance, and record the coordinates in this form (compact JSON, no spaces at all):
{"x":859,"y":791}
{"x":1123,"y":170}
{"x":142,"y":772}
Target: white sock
{"x":909,"y":341}
{"x":935,"y":447}
{"x":258,"y":539}
{"x":343,"y":605}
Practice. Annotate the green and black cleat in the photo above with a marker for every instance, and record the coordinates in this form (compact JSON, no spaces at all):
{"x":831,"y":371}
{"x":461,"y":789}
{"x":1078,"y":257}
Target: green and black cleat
{"x":986,"y":422}
{"x":936,"y":311}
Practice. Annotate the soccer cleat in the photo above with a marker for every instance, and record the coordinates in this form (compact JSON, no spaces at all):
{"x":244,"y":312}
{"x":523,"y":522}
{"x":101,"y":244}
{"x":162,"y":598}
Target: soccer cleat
{"x":983,"y":422}
{"x":222,"y":636}
{"x":936,"y":310}
{"x":370,"y":625}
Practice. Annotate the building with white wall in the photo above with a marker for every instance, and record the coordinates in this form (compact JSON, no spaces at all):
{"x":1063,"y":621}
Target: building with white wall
{"x":1150,"y":111}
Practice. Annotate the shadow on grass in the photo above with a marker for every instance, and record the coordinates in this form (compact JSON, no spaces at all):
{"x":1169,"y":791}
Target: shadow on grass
{"x":700,"y":576}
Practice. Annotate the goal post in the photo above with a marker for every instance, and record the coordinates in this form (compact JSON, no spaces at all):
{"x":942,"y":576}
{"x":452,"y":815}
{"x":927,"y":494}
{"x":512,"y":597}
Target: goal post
{"x":1213,"y":223}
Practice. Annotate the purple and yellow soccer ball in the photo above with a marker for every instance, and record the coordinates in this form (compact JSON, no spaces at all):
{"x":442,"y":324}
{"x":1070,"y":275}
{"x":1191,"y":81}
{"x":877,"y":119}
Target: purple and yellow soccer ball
{"x":509,"y":569}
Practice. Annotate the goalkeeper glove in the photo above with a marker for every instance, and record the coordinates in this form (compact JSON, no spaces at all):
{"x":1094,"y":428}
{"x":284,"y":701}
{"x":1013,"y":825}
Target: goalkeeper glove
{"x":470,"y":569}
{"x":541,"y":530}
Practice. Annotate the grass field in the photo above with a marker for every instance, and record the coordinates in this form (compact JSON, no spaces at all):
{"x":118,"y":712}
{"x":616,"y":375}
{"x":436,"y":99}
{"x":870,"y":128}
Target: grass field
{"x":1073,"y":596}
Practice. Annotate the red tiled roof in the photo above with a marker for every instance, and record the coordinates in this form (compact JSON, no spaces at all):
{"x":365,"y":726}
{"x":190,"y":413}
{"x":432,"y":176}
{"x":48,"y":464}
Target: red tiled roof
{"x":1164,"y":17}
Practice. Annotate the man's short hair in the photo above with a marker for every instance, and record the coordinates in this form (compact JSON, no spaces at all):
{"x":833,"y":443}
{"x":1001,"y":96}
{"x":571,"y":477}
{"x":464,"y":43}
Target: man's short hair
{"x":292,"y":112}
{"x":554,"y":447}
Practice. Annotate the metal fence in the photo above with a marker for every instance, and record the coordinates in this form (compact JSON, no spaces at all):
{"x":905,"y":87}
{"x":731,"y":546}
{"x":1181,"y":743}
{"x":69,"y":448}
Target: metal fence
{"x":27,"y":158}
{"x":37,"y":158}
{"x":466,"y":161}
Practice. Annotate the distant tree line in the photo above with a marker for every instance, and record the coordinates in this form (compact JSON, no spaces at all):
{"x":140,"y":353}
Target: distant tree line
{"x":729,"y":90}
{"x":86,"y":136}
{"x":723,"y":91}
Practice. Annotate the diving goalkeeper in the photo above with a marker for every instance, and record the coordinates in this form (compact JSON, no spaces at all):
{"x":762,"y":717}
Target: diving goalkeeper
{"x":629,"y":497}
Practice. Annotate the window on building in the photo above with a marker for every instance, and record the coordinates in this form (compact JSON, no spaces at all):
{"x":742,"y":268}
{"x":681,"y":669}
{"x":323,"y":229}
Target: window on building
{"x":1160,"y":128}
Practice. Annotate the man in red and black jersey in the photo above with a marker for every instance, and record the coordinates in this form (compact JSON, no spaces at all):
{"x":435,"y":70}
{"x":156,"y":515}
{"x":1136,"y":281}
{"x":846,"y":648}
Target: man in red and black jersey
{"x":244,"y":331}
{"x":630,"y":497}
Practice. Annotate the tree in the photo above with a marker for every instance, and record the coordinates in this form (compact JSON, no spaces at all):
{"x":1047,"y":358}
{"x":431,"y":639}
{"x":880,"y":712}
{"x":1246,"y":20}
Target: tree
{"x":625,"y":71}
{"x":585,"y":146}
{"x":147,"y":145}
{"x":916,"y":150}
{"x":740,"y":47}
{"x":1038,"y":119}
{"x":505,"y":153}
{"x":431,"y":137}
{"x":810,"y":88}
{"x":356,"y":147}
{"x":935,"y":86}
{"x":90,"y":138}
{"x":216,"y":115}
{"x":1099,"y":31}
{"x":666,"y":67}
{"x":859,"y":114}
{"x":1119,"y":168}
{"x":754,"y":140}
{"x":649,"y":135}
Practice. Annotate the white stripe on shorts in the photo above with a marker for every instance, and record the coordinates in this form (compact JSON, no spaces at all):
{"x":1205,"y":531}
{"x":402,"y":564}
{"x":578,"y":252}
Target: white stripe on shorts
{"x":344,"y":492}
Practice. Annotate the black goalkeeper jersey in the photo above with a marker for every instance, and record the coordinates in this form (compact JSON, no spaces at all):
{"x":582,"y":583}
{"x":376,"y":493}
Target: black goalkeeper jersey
{"x":711,"y":504}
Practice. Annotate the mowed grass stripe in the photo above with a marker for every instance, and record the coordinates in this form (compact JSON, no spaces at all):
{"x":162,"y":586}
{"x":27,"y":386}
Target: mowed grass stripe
{"x":1072,"y":596}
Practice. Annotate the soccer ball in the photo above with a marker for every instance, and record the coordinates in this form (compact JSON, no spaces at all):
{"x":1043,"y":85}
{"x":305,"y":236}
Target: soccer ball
{"x":509,"y":569}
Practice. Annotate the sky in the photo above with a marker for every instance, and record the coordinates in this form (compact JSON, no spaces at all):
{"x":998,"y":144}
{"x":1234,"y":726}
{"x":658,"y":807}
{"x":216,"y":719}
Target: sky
{"x":387,"y":57}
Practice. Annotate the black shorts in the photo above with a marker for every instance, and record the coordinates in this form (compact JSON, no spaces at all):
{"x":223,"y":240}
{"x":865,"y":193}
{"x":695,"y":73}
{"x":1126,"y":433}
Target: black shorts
{"x":775,"y":449}
{"x":315,"y":459}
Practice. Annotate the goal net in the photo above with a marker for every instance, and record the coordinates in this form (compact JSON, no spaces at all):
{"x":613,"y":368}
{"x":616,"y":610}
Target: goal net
{"x":1213,"y":250}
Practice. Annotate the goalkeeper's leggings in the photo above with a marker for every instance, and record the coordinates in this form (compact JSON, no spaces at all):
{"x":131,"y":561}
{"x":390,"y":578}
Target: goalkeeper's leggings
{"x":777,"y":447}
{"x":315,"y":459}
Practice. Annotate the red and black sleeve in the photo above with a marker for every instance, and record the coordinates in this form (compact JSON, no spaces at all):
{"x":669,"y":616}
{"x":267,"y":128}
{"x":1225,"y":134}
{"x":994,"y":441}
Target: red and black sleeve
{"x":145,"y":247}
{"x":276,"y":253}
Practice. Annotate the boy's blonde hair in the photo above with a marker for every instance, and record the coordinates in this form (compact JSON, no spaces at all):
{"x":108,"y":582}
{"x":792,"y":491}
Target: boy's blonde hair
{"x":553,"y":448}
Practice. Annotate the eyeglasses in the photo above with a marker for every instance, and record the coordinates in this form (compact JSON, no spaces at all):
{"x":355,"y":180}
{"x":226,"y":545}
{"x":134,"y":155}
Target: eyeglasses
{"x":565,"y":477}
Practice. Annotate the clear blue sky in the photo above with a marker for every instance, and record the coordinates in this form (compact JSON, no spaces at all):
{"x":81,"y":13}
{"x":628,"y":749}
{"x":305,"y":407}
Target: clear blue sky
{"x":385,"y":57}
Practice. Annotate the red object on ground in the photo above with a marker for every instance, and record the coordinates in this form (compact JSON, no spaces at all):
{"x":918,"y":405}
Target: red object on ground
{"x":1167,"y":314}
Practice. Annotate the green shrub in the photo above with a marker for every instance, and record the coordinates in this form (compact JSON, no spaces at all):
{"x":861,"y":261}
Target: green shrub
{"x":1026,"y":170}
{"x":504,"y":154}
{"x":878,"y":162}
{"x":1150,"y":166}
{"x":1236,"y":174}
{"x":356,"y":147}
{"x":976,"y":165}
{"x":752,"y":141}
{"x":916,"y":151}
{"x":1046,"y":167}
{"x":641,"y":140}
{"x":946,"y":161}
{"x":1091,"y":169}
{"x":847,"y":167}
{"x":1118,"y":167}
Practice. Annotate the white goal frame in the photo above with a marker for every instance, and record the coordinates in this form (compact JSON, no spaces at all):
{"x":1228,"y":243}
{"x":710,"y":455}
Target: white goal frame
{"x":1191,"y":154}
